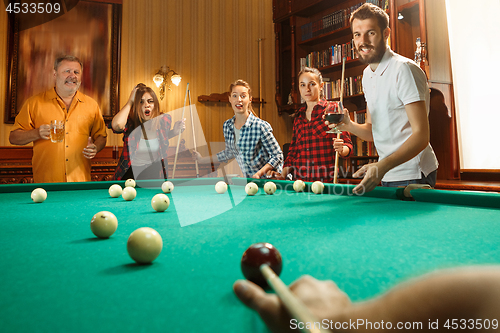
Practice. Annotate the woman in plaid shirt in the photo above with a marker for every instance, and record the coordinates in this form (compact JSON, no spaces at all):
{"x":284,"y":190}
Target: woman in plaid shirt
{"x":248,"y":138}
{"x":146,"y":132}
{"x":312,"y":153}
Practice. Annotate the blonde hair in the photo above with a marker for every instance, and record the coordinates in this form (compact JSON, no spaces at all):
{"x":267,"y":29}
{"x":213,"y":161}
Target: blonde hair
{"x":245,"y":84}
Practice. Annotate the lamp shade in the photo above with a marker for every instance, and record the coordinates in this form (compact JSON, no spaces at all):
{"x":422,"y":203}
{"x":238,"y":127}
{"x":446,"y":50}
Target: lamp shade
{"x":176,"y":79}
{"x":158,"y":79}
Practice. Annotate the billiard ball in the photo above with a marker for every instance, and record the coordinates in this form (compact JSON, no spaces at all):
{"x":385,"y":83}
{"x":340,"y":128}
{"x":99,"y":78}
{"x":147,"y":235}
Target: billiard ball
{"x":299,"y":185}
{"x":251,"y":188}
{"x":270,"y":187}
{"x":167,"y":187}
{"x":160,"y":202}
{"x":257,"y":255}
{"x":129,"y":193}
{"x":38,"y":195}
{"x":317,"y":187}
{"x":221,"y":187}
{"x":115,"y":190}
{"x":103,"y":224}
{"x":144,"y":245}
{"x":130,"y":183}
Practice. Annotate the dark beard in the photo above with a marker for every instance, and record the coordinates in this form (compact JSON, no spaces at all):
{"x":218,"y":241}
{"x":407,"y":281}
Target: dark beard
{"x":376,"y":57}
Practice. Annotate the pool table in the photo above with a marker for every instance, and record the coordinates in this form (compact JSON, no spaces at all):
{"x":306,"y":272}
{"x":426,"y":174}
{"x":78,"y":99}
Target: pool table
{"x":56,"y":276}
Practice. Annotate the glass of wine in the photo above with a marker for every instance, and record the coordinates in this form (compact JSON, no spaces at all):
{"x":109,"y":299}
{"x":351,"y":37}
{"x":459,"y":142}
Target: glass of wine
{"x":334,"y":115}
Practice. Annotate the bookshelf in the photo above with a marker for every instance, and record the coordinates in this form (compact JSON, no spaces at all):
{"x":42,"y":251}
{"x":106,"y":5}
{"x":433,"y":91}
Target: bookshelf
{"x":317,"y":34}
{"x":291,"y":15}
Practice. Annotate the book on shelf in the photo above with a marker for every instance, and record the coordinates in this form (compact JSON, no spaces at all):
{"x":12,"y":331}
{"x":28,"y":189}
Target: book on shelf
{"x":352,"y":86}
{"x":331,"y":56}
{"x":361,"y":147}
{"x":334,"y":21}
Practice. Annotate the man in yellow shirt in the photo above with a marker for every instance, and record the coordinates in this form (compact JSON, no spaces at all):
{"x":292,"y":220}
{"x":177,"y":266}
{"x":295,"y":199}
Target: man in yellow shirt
{"x":85,"y":131}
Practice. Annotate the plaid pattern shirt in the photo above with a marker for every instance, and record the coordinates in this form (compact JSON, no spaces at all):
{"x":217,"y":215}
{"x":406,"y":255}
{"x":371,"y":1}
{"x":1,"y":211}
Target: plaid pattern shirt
{"x":131,"y":139}
{"x":256,"y":147}
{"x":311,"y":153}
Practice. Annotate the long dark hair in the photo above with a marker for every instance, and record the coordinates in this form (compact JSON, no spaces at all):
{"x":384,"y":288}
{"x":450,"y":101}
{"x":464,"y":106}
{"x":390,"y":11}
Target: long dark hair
{"x":136,"y":114}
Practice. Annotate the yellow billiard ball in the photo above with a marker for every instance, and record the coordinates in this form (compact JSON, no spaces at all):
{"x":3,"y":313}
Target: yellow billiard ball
{"x":167,"y":187}
{"x":221,"y":187}
{"x":317,"y":187}
{"x":270,"y":187}
{"x":104,"y":224}
{"x":144,"y":245}
{"x":299,"y":185}
{"x":130,"y":183}
{"x":115,"y":190}
{"x":160,"y":202}
{"x":129,"y":193}
{"x":251,"y":188}
{"x":38,"y":195}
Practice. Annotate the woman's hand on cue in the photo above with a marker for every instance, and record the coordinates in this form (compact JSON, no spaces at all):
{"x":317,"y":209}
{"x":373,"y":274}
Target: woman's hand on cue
{"x":323,"y":298}
{"x":179,"y":126}
{"x":338,"y":146}
{"x":196,"y":156}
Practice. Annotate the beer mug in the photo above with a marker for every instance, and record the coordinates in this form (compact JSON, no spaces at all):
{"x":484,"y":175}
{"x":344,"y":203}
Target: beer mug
{"x":57,"y":130}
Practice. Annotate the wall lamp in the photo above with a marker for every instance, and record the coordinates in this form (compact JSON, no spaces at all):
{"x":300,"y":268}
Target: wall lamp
{"x":161,"y":78}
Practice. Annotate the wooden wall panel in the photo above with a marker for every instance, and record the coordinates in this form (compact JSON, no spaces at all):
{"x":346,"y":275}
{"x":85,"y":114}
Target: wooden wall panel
{"x":4,"y":129}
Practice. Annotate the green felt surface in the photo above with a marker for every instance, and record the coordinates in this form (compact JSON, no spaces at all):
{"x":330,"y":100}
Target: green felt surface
{"x":57,"y":277}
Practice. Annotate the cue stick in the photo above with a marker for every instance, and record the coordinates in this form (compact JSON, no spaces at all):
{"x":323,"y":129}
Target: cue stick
{"x":260,"y":77}
{"x":194,"y":137}
{"x":296,"y":308}
{"x":336,"y":173}
{"x":151,"y":154}
{"x":226,"y":180}
{"x":179,"y":139}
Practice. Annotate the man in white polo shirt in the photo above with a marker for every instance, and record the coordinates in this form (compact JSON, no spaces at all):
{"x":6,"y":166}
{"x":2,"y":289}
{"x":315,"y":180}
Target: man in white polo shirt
{"x":397,"y":105}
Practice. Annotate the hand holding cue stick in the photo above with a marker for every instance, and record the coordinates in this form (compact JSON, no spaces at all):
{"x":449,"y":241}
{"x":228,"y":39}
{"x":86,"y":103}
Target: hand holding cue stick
{"x":336,"y":173}
{"x":194,"y":137}
{"x":296,"y":308}
{"x":179,"y":138}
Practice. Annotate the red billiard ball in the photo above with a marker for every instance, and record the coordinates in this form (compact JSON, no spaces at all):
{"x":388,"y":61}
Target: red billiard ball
{"x":256,"y":255}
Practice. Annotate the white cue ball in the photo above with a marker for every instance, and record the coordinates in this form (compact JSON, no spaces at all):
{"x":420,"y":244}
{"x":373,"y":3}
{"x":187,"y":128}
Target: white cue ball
{"x":270,"y":187}
{"x":115,"y":190}
{"x":144,"y":245}
{"x":299,"y":185}
{"x":160,"y":202}
{"x":129,"y":193}
{"x":104,"y":224}
{"x":317,"y":187}
{"x":130,"y":183}
{"x":251,"y":188}
{"x":221,"y":187}
{"x":167,"y":187}
{"x":38,"y":195}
